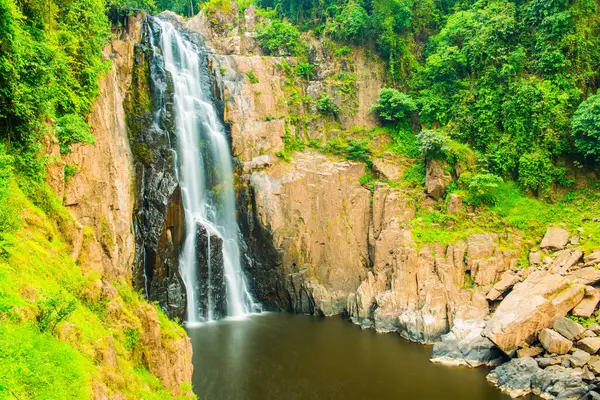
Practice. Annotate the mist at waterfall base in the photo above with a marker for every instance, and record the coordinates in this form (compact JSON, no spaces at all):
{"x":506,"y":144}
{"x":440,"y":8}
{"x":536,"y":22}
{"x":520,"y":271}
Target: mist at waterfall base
{"x":205,"y":174}
{"x":286,"y":356}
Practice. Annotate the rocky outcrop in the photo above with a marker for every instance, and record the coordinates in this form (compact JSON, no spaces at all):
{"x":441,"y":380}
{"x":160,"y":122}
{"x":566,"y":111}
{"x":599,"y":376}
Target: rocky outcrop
{"x":522,"y":376}
{"x":436,"y":178}
{"x":210,"y":277}
{"x":533,"y":305}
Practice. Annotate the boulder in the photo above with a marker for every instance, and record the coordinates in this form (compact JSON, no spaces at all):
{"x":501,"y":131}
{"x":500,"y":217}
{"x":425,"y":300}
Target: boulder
{"x":530,"y":351}
{"x":554,"y":342}
{"x":592,"y":259}
{"x":535,"y":257}
{"x":587,"y":306}
{"x":455,"y":204}
{"x":507,"y":281}
{"x":533,"y":305}
{"x":589,"y":344}
{"x":594,"y":366}
{"x":564,"y":260}
{"x":568,"y":328}
{"x":465,"y":345}
{"x":544,"y":362}
{"x":436,"y":179}
{"x":586,"y":275}
{"x":555,"y":239}
{"x":514,"y":377}
{"x":579,"y":358}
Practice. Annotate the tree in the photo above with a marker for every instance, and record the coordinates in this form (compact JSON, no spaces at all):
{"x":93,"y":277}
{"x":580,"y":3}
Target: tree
{"x":585,"y":126}
{"x":393,"y":106}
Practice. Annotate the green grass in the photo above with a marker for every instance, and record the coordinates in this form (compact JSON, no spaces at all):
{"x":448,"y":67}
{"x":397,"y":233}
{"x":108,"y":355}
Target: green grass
{"x":36,"y":365}
{"x":36,"y":270}
{"x":519,"y":213}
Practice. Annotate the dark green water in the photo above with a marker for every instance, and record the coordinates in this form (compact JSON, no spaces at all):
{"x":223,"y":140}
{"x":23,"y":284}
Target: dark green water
{"x":285,"y":356}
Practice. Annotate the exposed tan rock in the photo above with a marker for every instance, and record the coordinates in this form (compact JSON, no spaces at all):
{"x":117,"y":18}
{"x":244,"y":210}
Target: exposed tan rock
{"x":587,"y":306}
{"x":168,"y":358}
{"x":533,"y":305}
{"x":535,"y":257}
{"x":455,"y":204}
{"x":579,"y":358}
{"x":486,"y":260}
{"x":388,"y":204}
{"x":507,"y":281}
{"x":568,"y":328}
{"x":586,"y":275}
{"x":554,"y":342}
{"x":389,"y":167}
{"x":436,"y":178}
{"x":530,"y":351}
{"x":564,"y":260}
{"x":555,"y":239}
{"x":593,"y":258}
{"x":589,"y":344}
{"x":319,"y":216}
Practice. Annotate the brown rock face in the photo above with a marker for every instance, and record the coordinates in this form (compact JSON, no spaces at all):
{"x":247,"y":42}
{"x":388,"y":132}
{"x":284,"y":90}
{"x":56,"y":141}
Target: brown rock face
{"x":318,"y":215}
{"x":587,"y":306}
{"x":533,"y":305}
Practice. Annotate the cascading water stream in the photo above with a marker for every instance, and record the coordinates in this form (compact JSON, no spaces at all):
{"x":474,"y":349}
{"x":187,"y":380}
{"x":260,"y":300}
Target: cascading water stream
{"x":205,"y":173}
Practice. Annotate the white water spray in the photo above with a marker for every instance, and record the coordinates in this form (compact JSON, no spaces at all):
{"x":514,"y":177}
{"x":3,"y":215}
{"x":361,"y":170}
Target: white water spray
{"x":205,"y":173}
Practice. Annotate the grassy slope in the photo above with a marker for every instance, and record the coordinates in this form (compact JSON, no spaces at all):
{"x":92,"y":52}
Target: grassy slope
{"x":36,"y":269}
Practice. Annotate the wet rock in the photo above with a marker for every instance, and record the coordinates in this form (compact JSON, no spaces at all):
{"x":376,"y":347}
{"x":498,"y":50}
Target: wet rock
{"x":589,"y":344}
{"x":568,"y":328}
{"x":211,"y":289}
{"x":465,"y":345}
{"x":555,"y":239}
{"x":554,"y":342}
{"x":579,"y":358}
{"x":587,"y":306}
{"x":557,"y":382}
{"x":515,"y":376}
{"x":533,"y":305}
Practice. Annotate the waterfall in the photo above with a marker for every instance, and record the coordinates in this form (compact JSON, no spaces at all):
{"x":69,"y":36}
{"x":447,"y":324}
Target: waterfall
{"x":205,"y":173}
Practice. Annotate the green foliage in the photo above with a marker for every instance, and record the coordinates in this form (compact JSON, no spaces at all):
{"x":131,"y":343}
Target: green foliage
{"x":415,"y":175}
{"x":304,"y":70}
{"x":52,"y":311}
{"x":405,"y":143}
{"x":585,"y":125}
{"x":585,"y":322}
{"x":393,"y":106}
{"x":326,"y":105}
{"x":252,"y":77}
{"x":536,"y":172}
{"x":483,"y":189}
{"x":280,"y":38}
{"x":433,"y":144}
{"x":132,"y":337}
{"x":70,"y":129}
{"x":183,"y":7}
{"x":355,"y":150}
{"x":351,"y":24}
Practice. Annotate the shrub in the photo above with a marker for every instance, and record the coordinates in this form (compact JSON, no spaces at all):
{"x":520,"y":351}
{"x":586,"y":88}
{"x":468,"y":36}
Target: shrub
{"x":304,"y":70}
{"x":71,"y":129}
{"x":393,"y":106}
{"x":52,"y":311}
{"x":8,"y":218}
{"x":536,"y":172}
{"x":281,"y":39}
{"x":433,"y":144}
{"x":483,"y":189}
{"x":585,"y":126}
{"x":326,"y":105}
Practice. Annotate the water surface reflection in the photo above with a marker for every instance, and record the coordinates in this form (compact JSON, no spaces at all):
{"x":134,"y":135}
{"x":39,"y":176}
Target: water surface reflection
{"x":285,"y":356}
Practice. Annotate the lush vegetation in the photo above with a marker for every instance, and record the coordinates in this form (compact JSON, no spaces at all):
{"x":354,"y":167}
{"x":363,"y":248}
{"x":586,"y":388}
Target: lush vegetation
{"x":516,"y":81}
